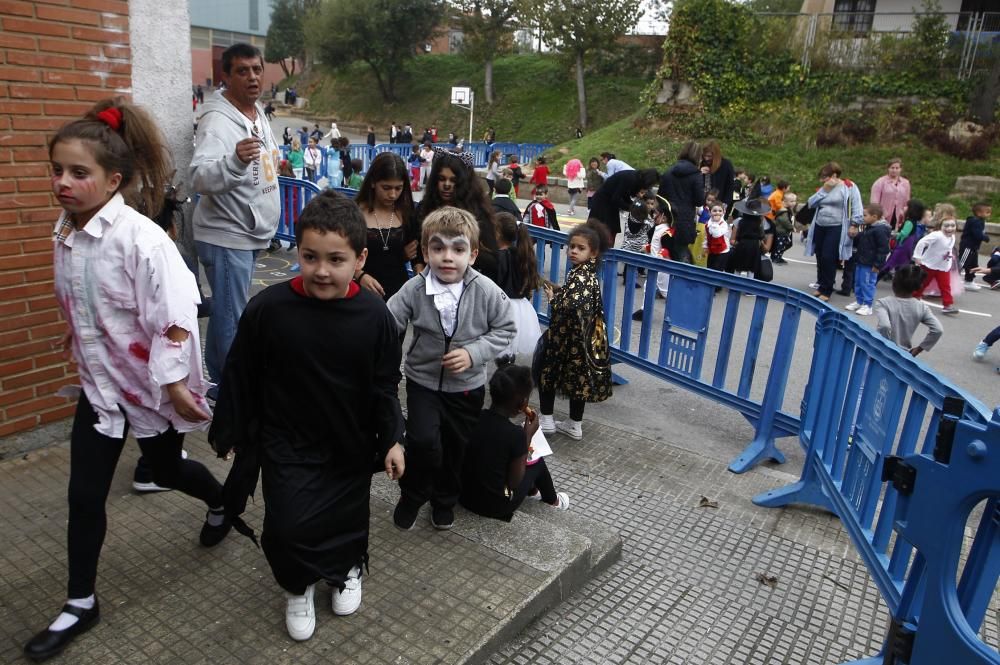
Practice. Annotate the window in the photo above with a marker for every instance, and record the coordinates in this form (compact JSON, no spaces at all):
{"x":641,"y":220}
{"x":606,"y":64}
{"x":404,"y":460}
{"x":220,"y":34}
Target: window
{"x":254,"y":15}
{"x":853,"y":15}
{"x":201,"y":38}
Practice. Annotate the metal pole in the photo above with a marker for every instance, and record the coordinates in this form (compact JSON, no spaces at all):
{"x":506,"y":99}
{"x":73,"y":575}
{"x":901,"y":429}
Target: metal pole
{"x":472,"y":112}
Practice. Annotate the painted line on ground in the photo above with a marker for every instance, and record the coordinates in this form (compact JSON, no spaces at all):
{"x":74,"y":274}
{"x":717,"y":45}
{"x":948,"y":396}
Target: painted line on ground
{"x":962,"y":311}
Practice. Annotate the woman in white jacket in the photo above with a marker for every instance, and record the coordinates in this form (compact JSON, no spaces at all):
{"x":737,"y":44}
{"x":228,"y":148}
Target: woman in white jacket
{"x":575,"y":181}
{"x":333,"y":134}
{"x":935,"y":253}
{"x":312,"y":159}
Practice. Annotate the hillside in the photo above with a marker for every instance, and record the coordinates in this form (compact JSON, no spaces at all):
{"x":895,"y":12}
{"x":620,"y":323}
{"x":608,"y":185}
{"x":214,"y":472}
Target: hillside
{"x":535,"y":97}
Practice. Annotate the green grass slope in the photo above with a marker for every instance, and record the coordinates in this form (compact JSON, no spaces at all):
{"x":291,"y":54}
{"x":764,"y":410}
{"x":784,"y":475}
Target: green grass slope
{"x":535,"y":97}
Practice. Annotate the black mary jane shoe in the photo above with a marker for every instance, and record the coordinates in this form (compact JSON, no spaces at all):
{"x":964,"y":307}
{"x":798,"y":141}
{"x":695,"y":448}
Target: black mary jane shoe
{"x":50,"y":643}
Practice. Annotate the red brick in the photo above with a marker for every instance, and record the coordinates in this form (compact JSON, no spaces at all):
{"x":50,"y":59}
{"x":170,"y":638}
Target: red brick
{"x":62,"y":3}
{"x":38,"y":123}
{"x":35,"y":406}
{"x":31,"y":155}
{"x":16,"y":8}
{"x":15,"y":396}
{"x":37,"y":245}
{"x":16,"y":367}
{"x":17,"y":41}
{"x":50,"y":387}
{"x":95,"y":94}
{"x":7,"y":186}
{"x":41,"y":92}
{"x":10,"y":247}
{"x":20,"y":292}
{"x":114,"y":22}
{"x":39,"y":60}
{"x":95,"y":35}
{"x":13,"y":426}
{"x":123,"y":52}
{"x":67,"y":109}
{"x":49,"y":330}
{"x":8,"y":217}
{"x":72,"y":78}
{"x":50,"y":359}
{"x":45,"y":274}
{"x":28,"y":350}
{"x":82,"y":16}
{"x":27,"y":108}
{"x":67,"y":46}
{"x":24,"y":201}
{"x":27,"y":260}
{"x":35,"y":27}
{"x":41,"y":304}
{"x":112,"y":6}
{"x":118,"y":82}
{"x":22,"y":139}
{"x":49,"y":215}
{"x":13,"y":308}
{"x":14,"y":337}
{"x":61,"y":413}
{"x":114,"y":66}
{"x":32,"y":378}
{"x":20,"y":170}
{"x":26,"y":231}
{"x":19,"y":74}
{"x":34,"y":184}
{"x":11,"y":278}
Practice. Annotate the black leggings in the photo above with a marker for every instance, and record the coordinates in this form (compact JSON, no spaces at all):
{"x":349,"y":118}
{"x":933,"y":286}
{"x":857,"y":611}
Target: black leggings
{"x":548,"y":404}
{"x":93,"y":458}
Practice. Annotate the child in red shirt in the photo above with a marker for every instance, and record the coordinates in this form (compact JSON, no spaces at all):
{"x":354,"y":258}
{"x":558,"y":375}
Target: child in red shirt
{"x":540,"y":176}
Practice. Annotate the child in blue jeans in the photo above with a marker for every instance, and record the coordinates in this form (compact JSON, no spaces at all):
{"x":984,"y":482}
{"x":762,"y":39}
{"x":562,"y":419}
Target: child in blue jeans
{"x":872,"y":251}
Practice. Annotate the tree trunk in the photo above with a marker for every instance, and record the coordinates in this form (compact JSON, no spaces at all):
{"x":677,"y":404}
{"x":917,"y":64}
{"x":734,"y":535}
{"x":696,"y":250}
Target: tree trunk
{"x":581,"y":90}
{"x":386,"y":92}
{"x":984,"y":102}
{"x":489,"y":80}
{"x":284,"y":67}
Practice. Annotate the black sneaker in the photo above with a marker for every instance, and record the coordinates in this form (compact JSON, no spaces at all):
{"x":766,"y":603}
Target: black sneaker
{"x":213,"y":535}
{"x":637,"y":315}
{"x":405,"y":515}
{"x":142,"y":479}
{"x":442,"y":519}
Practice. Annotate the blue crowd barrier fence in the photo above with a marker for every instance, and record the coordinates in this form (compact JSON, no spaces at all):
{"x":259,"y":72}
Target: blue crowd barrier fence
{"x":904,"y":458}
{"x":295,"y":194}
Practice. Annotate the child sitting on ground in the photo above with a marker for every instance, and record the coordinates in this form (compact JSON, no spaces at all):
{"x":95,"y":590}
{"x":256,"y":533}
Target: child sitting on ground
{"x":315,"y":424}
{"x":445,"y":391}
{"x":497,"y":475}
{"x":899,"y":315}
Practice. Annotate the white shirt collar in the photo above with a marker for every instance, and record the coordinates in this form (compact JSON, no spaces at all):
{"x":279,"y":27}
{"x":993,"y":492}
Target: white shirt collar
{"x":435,"y":287}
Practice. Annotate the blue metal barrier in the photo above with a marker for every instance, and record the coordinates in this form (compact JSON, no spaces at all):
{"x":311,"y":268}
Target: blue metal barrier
{"x":869,"y":413}
{"x":295,"y":194}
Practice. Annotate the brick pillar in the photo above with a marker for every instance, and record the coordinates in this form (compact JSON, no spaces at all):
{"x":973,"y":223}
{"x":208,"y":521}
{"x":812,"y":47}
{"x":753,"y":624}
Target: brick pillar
{"x":56,"y":59}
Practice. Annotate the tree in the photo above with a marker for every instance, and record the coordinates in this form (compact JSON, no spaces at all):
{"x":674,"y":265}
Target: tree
{"x":383,"y":34}
{"x":578,"y":27}
{"x":285,"y":38}
{"x":487,"y":28}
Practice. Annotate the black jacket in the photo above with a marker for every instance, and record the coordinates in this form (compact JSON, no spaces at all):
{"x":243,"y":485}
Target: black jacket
{"x":506,"y":204}
{"x":614,"y":195}
{"x":873,"y":245}
{"x":724,"y":180}
{"x":683,"y":186}
{"x":974,"y":233}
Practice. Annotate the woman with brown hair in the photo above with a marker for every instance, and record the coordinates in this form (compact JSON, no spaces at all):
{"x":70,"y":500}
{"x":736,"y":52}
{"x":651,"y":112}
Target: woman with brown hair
{"x":718,"y":173}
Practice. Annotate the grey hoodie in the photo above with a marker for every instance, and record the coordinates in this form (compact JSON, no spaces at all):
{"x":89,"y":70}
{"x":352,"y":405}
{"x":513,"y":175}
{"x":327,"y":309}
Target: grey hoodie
{"x":240,"y":204}
{"x":484,"y":327}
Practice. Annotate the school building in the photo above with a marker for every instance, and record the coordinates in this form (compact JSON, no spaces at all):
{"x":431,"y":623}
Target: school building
{"x":56,"y":60}
{"x":215,"y":26}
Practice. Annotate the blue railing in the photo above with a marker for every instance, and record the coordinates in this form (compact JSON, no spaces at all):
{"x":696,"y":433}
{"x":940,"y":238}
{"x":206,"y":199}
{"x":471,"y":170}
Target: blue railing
{"x":480,"y":152}
{"x":869,"y":413}
{"x":295,"y":194}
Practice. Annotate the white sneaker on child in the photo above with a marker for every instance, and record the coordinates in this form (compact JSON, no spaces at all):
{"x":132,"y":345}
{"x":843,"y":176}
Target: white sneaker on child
{"x":300,"y":615}
{"x":547,"y":424}
{"x":972,"y":286}
{"x":563,"y":501}
{"x":853,"y":306}
{"x":571,"y":428}
{"x":349,"y":600}
{"x":864,"y":310}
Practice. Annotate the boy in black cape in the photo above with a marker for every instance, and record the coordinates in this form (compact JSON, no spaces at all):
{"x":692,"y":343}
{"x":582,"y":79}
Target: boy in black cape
{"x":309,"y":400}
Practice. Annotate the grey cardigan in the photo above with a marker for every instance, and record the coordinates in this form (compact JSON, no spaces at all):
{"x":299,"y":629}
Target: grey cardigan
{"x":484,"y":327}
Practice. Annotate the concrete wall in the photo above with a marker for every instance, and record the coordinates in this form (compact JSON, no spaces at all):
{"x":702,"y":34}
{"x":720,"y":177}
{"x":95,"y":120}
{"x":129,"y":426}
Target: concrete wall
{"x":161,"y":72}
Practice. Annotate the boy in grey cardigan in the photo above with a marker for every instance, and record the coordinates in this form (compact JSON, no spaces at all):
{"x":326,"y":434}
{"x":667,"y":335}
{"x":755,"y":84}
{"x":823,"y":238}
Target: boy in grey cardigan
{"x":461,"y":321}
{"x":899,"y":314}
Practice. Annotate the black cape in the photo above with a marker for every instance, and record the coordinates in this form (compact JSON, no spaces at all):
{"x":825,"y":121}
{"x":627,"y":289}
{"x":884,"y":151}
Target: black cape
{"x":309,"y":399}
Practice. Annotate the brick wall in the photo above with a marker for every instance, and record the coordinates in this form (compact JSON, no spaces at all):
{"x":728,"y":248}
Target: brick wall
{"x":57,"y":57}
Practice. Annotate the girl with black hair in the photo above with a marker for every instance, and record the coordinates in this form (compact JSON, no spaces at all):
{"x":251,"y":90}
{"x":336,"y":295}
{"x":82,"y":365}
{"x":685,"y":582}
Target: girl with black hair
{"x":386,"y":203}
{"x":517,"y":275}
{"x":576,"y":361}
{"x":498,"y":472}
{"x":905,"y":238}
{"x":453,"y":183}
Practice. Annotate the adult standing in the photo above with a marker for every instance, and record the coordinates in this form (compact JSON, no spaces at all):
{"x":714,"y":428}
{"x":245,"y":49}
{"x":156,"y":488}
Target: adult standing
{"x":838,"y":206}
{"x":393,"y":133}
{"x":386,"y":203}
{"x":892,"y":192}
{"x":683,"y":185}
{"x":718,"y":173}
{"x":235,"y":169}
{"x":616,"y":194}
{"x":333,"y":135}
{"x":613,"y":165}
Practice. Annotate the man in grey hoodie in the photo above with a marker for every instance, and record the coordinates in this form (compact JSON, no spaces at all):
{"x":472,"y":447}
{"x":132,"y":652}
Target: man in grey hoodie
{"x":235,"y":169}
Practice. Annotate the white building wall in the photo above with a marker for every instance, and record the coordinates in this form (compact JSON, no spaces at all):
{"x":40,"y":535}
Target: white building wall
{"x":161,"y":72}
{"x":905,"y":9}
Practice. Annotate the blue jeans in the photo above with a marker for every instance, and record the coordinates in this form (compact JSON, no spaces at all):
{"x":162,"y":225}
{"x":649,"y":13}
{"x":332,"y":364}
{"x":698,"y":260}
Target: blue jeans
{"x":229,"y":273}
{"x":865,"y":280}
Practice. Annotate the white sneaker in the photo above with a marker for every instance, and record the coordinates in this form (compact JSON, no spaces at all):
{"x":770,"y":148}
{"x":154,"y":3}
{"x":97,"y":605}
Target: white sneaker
{"x":300,"y":615}
{"x":853,"y":306}
{"x":349,"y":600}
{"x":864,"y":310}
{"x":563,"y":501}
{"x":972,"y":286}
{"x":814,"y":285}
{"x":571,"y":428}
{"x":547,"y":424}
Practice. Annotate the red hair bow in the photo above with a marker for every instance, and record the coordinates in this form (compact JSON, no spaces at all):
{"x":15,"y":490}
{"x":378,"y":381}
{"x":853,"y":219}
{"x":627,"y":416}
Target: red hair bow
{"x":112,"y":117}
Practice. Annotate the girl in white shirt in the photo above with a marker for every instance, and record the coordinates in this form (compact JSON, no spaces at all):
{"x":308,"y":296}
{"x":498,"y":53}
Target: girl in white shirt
{"x":131,"y":307}
{"x":935,"y":253}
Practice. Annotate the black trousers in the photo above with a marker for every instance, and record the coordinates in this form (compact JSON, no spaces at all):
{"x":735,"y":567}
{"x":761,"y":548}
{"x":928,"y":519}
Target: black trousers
{"x":93,"y":458}
{"x":781,"y":243}
{"x":437,"y":426}
{"x":547,"y":400}
{"x":847,"y":279}
{"x":968,"y":258}
{"x":826,"y":246}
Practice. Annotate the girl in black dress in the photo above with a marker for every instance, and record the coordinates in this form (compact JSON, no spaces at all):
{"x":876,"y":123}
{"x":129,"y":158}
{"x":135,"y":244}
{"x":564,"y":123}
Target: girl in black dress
{"x":387,"y":205}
